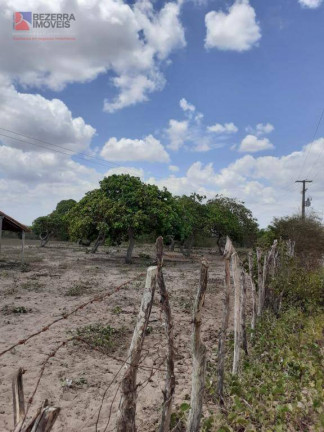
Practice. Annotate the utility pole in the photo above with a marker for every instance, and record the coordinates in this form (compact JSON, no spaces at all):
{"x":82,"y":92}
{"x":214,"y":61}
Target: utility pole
{"x":303,"y":195}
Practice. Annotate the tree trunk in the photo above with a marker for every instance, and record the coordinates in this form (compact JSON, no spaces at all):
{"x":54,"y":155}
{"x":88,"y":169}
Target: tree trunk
{"x":44,"y":239}
{"x":131,"y":244}
{"x":168,"y":392}
{"x":199,"y":356}
{"x":99,"y":241}
{"x":221,"y":252}
{"x":127,"y":405}
{"x":171,"y":247}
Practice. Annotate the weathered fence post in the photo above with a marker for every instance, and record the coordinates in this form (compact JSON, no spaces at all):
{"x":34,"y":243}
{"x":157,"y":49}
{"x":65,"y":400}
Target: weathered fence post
{"x":253,"y":291}
{"x":237,"y":311}
{"x":127,"y":405}
{"x":168,"y":392}
{"x":199,"y":356}
{"x":243,"y":312}
{"x":43,"y":420}
{"x":260,"y":280}
{"x":222,"y":336}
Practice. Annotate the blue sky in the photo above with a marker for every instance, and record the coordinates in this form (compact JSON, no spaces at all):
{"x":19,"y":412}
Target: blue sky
{"x":199,"y":96}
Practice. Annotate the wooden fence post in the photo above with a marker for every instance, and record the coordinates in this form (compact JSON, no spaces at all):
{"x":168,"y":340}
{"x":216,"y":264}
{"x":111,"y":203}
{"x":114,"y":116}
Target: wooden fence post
{"x":253,"y":291}
{"x":222,"y":336}
{"x":260,"y":280}
{"x":243,"y":312}
{"x":199,"y":356}
{"x":127,"y":405}
{"x":43,"y":420}
{"x":168,"y":392}
{"x":237,"y":312}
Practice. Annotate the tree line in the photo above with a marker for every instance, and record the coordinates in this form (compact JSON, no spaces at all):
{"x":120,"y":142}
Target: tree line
{"x":124,"y":208}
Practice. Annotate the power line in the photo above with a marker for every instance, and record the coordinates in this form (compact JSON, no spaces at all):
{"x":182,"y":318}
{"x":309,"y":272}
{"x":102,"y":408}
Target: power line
{"x":81,"y":155}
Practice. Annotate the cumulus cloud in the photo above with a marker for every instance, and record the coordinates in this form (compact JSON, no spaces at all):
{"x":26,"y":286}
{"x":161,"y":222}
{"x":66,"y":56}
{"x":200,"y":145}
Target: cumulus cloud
{"x":177,"y":133}
{"x":49,"y":120}
{"x":253,"y":144}
{"x":251,"y":180}
{"x":261,"y":129}
{"x":135,"y":172}
{"x":227,"y":128}
{"x":130,"y":41}
{"x":236,"y":30}
{"x":173,"y":168}
{"x":312,"y":4}
{"x":186,"y":106}
{"x":147,"y":149}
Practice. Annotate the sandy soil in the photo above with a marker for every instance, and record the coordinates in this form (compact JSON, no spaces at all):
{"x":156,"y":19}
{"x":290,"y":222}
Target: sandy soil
{"x":51,"y":273}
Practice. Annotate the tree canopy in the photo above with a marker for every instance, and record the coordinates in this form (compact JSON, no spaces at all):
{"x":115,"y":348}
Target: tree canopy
{"x":124,"y":208}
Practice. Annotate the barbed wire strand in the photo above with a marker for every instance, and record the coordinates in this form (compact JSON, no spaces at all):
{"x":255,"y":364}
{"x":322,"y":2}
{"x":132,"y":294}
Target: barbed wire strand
{"x":67,"y":315}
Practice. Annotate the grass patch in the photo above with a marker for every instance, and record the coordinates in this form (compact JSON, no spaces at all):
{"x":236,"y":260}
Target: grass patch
{"x":79,"y":289}
{"x":32,"y":285}
{"x":101,"y":336}
{"x":10,"y":309}
{"x":280,"y":387}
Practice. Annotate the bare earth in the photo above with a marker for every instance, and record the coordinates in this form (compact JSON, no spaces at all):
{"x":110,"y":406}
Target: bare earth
{"x":51,"y":273}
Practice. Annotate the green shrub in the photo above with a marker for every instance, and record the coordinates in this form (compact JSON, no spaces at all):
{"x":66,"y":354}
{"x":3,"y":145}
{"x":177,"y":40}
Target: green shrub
{"x":280,"y":387}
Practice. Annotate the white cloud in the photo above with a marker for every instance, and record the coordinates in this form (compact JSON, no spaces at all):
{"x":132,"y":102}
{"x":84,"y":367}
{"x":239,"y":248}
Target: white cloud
{"x":261,"y":129}
{"x":177,"y":133}
{"x":37,"y":117}
{"x":131,"y":41}
{"x":226,"y":128}
{"x":236,"y":30}
{"x":32,"y":183}
{"x":312,"y":4}
{"x":252,"y":180}
{"x":173,"y":168}
{"x":253,"y":144}
{"x":135,"y":172}
{"x":186,"y":106}
{"x":146,"y":149}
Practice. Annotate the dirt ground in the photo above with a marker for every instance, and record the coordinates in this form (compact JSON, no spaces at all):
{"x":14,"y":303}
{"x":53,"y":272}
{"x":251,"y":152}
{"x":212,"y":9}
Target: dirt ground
{"x":62,"y":276}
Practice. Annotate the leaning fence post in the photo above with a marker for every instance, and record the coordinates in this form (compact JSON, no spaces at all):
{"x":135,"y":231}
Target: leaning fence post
{"x":237,"y":312}
{"x":127,"y":405}
{"x":222,"y":336}
{"x":168,"y":392}
{"x":18,"y":396}
{"x":199,"y":355}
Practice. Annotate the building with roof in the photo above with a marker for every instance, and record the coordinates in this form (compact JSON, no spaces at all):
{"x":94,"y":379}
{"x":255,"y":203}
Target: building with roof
{"x":7,"y":223}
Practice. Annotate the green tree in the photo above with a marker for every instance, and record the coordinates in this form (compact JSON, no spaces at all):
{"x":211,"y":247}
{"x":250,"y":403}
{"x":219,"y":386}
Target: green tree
{"x":89,"y":218}
{"x":137,"y":208}
{"x":230,"y":217}
{"x":307,"y":234}
{"x":191,"y":220}
{"x":55,"y":224}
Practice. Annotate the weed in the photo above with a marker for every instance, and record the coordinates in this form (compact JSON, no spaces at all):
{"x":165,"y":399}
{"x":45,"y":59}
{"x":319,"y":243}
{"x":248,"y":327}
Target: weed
{"x":8,"y":310}
{"x":79,"y":289}
{"x":101,"y":336}
{"x":280,"y":385}
{"x":32,"y":285}
{"x":117,"y":310}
